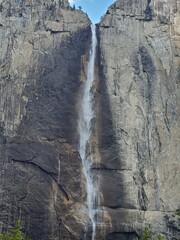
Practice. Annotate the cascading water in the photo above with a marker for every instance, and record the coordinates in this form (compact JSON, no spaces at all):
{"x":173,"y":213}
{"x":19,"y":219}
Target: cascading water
{"x":84,"y":127}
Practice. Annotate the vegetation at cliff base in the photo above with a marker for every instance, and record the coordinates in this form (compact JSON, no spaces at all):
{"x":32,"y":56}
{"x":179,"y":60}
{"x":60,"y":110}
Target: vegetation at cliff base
{"x":147,"y":234}
{"x":178,"y":212}
{"x":14,"y":234}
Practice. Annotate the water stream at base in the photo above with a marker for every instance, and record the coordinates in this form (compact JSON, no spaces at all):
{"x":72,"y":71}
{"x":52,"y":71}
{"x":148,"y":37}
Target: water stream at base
{"x":84,"y":126}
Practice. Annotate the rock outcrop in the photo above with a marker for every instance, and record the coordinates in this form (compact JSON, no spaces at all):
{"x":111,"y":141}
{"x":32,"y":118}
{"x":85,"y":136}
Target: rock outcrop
{"x":139,"y":142}
{"x":44,"y":48}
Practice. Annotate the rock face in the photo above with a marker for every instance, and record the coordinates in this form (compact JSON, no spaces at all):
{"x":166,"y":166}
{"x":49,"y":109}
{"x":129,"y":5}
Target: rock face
{"x":139,"y":145}
{"x":44,"y":49}
{"x":44,"y":46}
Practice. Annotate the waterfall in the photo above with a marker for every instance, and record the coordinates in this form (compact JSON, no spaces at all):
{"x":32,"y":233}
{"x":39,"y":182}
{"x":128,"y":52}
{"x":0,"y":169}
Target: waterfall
{"x":84,"y":127}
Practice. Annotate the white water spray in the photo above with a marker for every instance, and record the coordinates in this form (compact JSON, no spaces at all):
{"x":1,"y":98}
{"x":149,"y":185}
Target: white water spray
{"x":84,"y":127}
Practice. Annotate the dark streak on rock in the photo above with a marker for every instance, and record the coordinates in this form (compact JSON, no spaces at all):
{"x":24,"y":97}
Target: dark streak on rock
{"x":148,"y":12}
{"x":51,"y":174}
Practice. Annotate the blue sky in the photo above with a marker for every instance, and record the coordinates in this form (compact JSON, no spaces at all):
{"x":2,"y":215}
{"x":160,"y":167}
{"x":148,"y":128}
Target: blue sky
{"x":94,"y":8}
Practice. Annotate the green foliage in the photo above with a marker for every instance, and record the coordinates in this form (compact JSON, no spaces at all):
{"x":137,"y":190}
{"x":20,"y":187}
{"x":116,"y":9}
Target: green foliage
{"x":15,"y":233}
{"x":178,"y":212}
{"x":160,"y":237}
{"x":147,"y":234}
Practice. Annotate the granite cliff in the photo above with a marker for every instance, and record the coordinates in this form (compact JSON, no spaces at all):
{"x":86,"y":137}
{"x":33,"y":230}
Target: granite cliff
{"x":44,"y":48}
{"x":44,"y":45}
{"x":139,"y":147}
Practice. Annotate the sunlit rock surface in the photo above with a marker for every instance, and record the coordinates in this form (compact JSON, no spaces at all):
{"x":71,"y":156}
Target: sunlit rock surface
{"x":139,"y":86}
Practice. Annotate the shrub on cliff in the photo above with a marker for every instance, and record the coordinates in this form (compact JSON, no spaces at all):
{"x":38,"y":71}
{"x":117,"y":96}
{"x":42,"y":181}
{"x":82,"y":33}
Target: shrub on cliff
{"x":14,"y":234}
{"x":178,"y":212}
{"x":147,"y":234}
